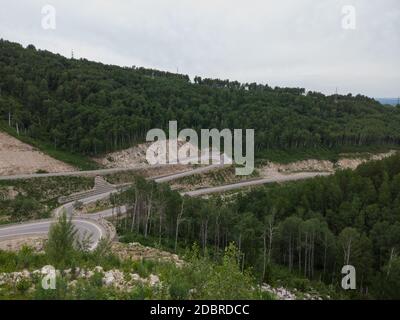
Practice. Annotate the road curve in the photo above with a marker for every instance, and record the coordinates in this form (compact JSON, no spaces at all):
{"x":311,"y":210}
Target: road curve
{"x":183,"y":174}
{"x":84,"y":226}
{"x":90,"y":223}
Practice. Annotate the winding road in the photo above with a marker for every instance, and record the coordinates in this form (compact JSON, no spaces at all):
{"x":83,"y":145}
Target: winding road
{"x":89,"y":224}
{"x":95,"y":224}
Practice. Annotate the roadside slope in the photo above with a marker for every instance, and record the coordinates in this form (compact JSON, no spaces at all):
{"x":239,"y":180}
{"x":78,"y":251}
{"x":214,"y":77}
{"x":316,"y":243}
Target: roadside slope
{"x":17,"y":157}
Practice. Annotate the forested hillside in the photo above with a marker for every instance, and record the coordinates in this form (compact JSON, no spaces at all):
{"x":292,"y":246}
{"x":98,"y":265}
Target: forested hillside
{"x":91,"y":108}
{"x":312,"y":228}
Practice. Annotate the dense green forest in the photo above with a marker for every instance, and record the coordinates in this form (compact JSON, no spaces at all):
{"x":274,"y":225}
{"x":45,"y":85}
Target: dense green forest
{"x":91,"y":108}
{"x":313,"y":227}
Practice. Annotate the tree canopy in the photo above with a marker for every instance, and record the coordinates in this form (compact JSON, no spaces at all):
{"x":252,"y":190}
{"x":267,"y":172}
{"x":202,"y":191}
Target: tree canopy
{"x":90,"y":108}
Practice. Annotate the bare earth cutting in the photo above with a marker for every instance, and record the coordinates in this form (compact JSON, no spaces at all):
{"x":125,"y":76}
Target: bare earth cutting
{"x":17,"y":157}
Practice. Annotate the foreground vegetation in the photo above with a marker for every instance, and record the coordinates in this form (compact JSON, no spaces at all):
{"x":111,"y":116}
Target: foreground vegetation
{"x":296,"y":235}
{"x":198,"y":278}
{"x":35,"y":198}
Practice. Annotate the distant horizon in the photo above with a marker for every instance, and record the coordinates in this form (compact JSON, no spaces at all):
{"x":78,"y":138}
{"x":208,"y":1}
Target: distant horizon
{"x":388,"y":100}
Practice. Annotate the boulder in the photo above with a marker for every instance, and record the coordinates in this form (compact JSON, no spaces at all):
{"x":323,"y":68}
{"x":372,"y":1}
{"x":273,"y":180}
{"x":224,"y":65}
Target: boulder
{"x":153,"y":279}
{"x":47,"y":269}
{"x":108,"y":278}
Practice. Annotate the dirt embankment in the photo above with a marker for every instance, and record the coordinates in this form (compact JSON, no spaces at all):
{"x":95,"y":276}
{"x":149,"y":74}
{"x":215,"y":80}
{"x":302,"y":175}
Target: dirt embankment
{"x":273,"y":170}
{"x":133,"y":251}
{"x":135,"y":157}
{"x":17,"y":157}
{"x":352,"y":163}
{"x":312,"y":165}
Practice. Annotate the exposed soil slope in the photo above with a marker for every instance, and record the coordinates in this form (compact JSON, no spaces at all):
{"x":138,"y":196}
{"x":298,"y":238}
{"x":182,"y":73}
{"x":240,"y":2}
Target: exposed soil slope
{"x":17,"y":157}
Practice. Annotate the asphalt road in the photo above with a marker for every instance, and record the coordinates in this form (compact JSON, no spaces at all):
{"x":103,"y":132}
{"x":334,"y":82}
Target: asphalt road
{"x":84,"y":226}
{"x":90,"y":224}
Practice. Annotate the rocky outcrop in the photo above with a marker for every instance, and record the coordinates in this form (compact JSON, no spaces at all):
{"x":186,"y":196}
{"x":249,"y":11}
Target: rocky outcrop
{"x":135,"y":157}
{"x":111,"y":278}
{"x":272,"y":169}
{"x":285,"y":294}
{"x":136,"y":251}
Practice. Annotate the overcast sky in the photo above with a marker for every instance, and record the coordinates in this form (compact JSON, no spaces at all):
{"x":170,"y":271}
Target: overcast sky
{"x":296,"y":43}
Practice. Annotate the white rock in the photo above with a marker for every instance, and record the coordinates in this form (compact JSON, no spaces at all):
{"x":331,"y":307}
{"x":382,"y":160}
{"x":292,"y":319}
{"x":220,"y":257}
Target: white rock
{"x":26,"y":274}
{"x":82,"y":273}
{"x":153,"y":279}
{"x":108,"y":278}
{"x":98,"y":269}
{"x":135,"y":277}
{"x":36,"y":272}
{"x":47,"y":269}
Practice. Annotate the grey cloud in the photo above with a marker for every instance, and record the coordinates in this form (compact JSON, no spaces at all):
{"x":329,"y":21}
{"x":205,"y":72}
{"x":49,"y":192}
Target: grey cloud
{"x":285,"y":43}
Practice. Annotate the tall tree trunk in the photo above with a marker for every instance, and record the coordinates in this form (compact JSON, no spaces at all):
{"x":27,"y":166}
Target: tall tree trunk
{"x":264,"y":254}
{"x":149,"y":206}
{"x":299,"y":250}
{"x":392,"y":255}
{"x":270,"y":237}
{"x":325,"y":252}
{"x":178,"y":221}
{"x":305,"y":255}
{"x":205,"y":234}
{"x":160,"y":227}
{"x":134,"y":210}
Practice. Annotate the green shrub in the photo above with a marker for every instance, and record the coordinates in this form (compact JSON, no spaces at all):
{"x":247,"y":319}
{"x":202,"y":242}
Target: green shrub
{"x":23,"y":285}
{"x":60,"y":248}
{"x":179,"y":290}
{"x":59,"y":293}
